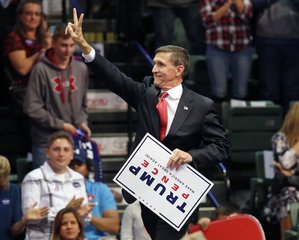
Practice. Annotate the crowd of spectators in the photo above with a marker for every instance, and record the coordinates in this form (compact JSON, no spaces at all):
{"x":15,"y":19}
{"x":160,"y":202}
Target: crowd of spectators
{"x":47,"y":91}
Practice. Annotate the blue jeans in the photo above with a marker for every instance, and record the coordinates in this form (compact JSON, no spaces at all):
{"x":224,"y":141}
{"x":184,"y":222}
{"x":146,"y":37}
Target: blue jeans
{"x":39,"y":156}
{"x":279,"y":72}
{"x":224,"y":64}
{"x":164,"y":19}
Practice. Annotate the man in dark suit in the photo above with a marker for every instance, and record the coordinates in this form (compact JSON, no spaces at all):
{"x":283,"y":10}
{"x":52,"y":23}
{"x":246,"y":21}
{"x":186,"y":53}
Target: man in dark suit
{"x":193,"y":131}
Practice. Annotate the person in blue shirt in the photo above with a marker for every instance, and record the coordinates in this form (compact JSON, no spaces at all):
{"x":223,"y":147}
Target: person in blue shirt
{"x":105,"y":219}
{"x":12,"y":223}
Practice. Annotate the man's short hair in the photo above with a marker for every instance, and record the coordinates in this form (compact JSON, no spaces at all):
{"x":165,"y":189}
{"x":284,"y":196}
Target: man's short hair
{"x":59,"y":32}
{"x":60,"y":135}
{"x":179,"y":56}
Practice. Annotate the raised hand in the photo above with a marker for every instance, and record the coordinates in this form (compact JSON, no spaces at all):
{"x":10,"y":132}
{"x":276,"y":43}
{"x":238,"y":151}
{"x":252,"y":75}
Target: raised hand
{"x":85,"y":209}
{"x":69,"y":128}
{"x":76,"y":33}
{"x":75,"y":29}
{"x":85,"y":129}
{"x":75,"y":203}
{"x":34,"y":213}
{"x":47,"y":41}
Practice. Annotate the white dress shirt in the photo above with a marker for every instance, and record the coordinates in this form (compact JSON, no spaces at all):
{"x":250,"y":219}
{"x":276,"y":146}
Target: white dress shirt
{"x":172,"y":100}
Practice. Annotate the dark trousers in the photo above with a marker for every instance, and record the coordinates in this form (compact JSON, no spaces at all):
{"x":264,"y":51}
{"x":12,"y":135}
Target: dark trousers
{"x":159,"y":229}
{"x":279,"y":72}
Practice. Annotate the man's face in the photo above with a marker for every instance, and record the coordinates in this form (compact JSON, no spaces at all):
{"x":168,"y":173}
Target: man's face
{"x":60,"y":154}
{"x":166,"y":75}
{"x":63,"y":48}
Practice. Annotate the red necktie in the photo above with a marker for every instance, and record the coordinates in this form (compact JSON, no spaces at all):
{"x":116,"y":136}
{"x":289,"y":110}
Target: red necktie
{"x":162,"y":110}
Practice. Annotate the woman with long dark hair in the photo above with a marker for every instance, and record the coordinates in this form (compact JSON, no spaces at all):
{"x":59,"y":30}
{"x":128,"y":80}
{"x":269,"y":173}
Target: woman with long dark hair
{"x":24,"y":45}
{"x":22,"y":49}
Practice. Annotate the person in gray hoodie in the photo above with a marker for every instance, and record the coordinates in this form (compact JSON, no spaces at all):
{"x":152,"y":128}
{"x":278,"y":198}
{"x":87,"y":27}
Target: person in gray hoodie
{"x":56,"y":94}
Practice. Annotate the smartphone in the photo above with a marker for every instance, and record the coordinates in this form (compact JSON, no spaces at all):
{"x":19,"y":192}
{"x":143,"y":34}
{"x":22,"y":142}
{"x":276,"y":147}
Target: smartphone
{"x":80,"y":132}
{"x":52,"y":29}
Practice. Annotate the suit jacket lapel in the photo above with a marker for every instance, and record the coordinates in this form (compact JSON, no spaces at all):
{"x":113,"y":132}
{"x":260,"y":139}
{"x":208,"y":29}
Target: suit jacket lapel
{"x":182,"y":112}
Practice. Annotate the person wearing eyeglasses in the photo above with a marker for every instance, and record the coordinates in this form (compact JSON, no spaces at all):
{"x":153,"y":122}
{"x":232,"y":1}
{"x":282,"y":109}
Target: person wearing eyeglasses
{"x":24,"y":44}
{"x":22,"y":49}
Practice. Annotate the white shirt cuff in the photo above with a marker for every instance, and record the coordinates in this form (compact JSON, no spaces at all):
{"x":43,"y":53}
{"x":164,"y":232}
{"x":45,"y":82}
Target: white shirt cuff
{"x":90,"y":56}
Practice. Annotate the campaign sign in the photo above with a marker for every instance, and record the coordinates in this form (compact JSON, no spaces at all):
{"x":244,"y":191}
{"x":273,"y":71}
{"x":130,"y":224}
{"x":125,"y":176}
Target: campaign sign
{"x":171,"y":194}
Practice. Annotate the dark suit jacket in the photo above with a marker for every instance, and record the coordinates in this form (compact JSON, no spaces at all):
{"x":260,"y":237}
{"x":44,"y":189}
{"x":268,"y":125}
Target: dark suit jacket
{"x":195,"y":128}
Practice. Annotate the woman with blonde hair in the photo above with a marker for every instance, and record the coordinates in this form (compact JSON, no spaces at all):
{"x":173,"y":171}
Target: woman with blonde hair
{"x":68,"y":225}
{"x":285,"y":185}
{"x":10,"y":206}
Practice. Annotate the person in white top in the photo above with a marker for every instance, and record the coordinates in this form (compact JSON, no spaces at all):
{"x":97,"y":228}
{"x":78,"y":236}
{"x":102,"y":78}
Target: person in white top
{"x":132,"y":227}
{"x":54,"y":185}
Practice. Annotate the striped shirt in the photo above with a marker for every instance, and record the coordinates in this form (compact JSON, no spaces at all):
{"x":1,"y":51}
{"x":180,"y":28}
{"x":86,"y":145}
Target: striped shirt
{"x":46,"y":188}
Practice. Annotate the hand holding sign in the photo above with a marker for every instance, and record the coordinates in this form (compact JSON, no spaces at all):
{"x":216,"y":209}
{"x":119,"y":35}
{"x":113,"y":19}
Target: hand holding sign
{"x":172,"y":194}
{"x":178,"y":158}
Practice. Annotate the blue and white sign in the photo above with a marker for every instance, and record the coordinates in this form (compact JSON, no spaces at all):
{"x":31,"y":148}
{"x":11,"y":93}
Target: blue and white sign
{"x":172,"y":194}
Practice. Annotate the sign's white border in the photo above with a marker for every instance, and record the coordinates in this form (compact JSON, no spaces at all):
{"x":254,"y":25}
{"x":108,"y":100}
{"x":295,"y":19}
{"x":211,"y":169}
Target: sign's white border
{"x":172,"y":194}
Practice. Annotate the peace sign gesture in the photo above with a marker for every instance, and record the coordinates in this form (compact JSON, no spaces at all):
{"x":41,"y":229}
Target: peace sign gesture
{"x":75,"y":31}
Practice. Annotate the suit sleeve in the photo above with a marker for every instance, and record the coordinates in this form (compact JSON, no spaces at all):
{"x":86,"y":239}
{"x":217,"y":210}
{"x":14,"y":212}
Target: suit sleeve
{"x":216,"y":146}
{"x":116,"y":81}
